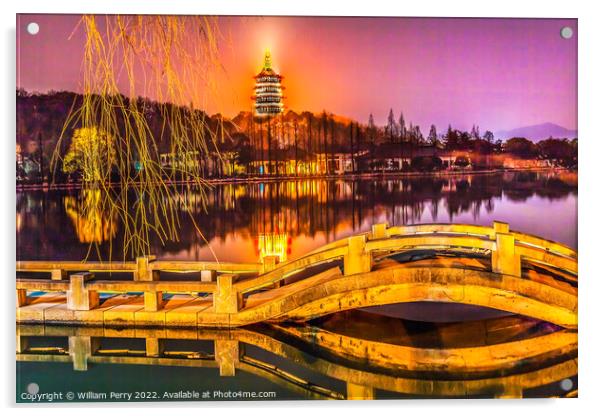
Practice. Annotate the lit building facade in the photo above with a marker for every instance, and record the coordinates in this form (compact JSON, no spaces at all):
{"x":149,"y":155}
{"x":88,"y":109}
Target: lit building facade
{"x":268,"y":97}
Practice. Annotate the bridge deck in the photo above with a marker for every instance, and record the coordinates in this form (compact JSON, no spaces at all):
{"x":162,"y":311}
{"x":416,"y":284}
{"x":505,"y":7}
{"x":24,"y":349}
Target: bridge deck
{"x":328,"y":292}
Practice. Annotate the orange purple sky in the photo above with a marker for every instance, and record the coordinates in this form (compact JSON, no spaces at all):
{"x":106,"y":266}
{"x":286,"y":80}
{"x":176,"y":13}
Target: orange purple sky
{"x":497,"y":73}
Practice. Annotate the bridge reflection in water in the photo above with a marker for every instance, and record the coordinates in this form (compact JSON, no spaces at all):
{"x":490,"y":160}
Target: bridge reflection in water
{"x":502,"y":357}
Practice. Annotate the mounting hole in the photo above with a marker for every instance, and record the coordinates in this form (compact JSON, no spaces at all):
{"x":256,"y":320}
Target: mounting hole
{"x":566,"y":32}
{"x":566,"y":384}
{"x":33,"y":388}
{"x":33,"y":28}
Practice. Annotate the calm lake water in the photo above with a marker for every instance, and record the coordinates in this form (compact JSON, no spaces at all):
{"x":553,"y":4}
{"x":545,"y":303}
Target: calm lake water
{"x":294,"y":217}
{"x":291,"y":218}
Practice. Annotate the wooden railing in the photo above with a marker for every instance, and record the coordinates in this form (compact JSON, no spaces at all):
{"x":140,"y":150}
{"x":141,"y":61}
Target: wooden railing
{"x":223,"y":280}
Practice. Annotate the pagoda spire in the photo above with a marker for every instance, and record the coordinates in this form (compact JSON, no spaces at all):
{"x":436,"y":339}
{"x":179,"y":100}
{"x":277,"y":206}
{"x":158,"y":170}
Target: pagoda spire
{"x":267,"y":60}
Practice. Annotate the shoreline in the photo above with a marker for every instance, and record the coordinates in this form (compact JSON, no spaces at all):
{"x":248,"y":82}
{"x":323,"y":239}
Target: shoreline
{"x":288,"y":178}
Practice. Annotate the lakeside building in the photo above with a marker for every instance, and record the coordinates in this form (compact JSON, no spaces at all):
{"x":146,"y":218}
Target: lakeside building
{"x":268,"y":97}
{"x":181,"y":160}
{"x":391,"y":157}
{"x":26,"y":165}
{"x":214,"y":164}
{"x":286,"y":162}
{"x":515,"y":163}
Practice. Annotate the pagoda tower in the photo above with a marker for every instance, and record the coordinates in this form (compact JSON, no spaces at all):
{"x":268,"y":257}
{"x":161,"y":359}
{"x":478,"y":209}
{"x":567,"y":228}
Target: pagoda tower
{"x":268,"y":90}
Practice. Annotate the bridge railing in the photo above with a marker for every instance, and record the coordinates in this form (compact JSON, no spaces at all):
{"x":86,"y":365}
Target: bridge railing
{"x":145,"y":268}
{"x":506,"y":248}
{"x":382,"y":231}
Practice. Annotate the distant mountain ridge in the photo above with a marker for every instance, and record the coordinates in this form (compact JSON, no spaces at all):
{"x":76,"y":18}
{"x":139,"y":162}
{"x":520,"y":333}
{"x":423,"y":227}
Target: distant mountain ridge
{"x":538,"y":132}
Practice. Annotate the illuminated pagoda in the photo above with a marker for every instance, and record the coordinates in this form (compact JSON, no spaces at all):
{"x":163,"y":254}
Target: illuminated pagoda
{"x":268,"y":90}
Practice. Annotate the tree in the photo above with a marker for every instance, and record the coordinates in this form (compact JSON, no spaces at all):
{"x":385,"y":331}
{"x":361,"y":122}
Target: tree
{"x":488,"y":136}
{"x":411,"y":133}
{"x":41,"y":156}
{"x":332,"y":142}
{"x":426,"y":163}
{"x":432,"y":138}
{"x":417,"y":135}
{"x":482,"y":146}
{"x":463,"y":140}
{"x":391,"y":126}
{"x":371,"y":129}
{"x":244,"y":153}
{"x":560,"y":151}
{"x":402,"y":127}
{"x":351,"y":147}
{"x":296,"y":127}
{"x":474,"y":133}
{"x":92,"y":153}
{"x":310,"y":120}
{"x":521,"y":147}
{"x":498,"y":147}
{"x":324,"y":125}
{"x":451,"y":138}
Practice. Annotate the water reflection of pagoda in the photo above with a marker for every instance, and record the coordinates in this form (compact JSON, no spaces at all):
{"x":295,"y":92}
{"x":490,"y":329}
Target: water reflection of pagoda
{"x":274,"y":244}
{"x":268,"y":90}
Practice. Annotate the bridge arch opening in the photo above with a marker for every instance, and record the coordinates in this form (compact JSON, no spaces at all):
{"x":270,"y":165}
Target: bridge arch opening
{"x":437,"y":312}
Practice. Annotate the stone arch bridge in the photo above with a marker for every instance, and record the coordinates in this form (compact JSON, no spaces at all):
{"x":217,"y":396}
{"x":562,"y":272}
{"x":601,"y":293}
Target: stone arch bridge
{"x":493,"y":267}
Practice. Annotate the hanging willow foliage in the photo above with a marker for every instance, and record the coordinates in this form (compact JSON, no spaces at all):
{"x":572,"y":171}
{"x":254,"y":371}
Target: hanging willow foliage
{"x":167,"y":58}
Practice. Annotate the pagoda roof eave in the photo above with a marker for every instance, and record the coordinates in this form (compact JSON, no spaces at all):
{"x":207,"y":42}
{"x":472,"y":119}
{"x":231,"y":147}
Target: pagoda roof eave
{"x":268,"y":74}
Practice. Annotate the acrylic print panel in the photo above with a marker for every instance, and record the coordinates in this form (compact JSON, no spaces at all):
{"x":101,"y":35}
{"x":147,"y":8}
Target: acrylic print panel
{"x":275,"y":208}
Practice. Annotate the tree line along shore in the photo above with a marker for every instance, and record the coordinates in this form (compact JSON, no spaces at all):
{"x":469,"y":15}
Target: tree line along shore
{"x":245,"y":147}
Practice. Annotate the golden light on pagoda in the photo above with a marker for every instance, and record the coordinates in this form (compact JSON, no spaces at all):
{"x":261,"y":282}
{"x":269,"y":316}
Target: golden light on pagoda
{"x":268,"y":96}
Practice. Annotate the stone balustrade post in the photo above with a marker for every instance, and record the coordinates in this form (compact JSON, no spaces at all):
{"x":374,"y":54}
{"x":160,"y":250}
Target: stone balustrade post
{"x":501,"y":227}
{"x":510,"y":391}
{"x":226,"y":299}
{"x":505,"y":259}
{"x":208,"y":275}
{"x":21,"y":297}
{"x":269,"y":264}
{"x":379,"y":231}
{"x":154,"y":347}
{"x":227,"y":355}
{"x":153,"y":301}
{"x":80,"y":349}
{"x":144,"y":271}
{"x":79,"y":298}
{"x":359,"y":392}
{"x":58,"y":274}
{"x":22,"y":343}
{"x":357,"y":260}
